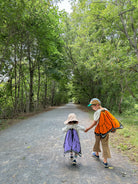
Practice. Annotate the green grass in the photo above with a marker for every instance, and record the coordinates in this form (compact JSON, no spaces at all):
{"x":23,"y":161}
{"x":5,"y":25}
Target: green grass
{"x":130,"y":129}
{"x":5,"y":123}
{"x":126,"y":139}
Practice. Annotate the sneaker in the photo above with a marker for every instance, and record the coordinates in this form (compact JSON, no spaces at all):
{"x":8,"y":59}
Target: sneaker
{"x":105,"y":165}
{"x":74,"y":162}
{"x":94,"y":155}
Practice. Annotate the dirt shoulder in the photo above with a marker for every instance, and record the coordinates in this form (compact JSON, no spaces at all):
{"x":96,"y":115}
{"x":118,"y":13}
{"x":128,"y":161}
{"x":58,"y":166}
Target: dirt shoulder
{"x":123,"y":145}
{"x":5,"y":123}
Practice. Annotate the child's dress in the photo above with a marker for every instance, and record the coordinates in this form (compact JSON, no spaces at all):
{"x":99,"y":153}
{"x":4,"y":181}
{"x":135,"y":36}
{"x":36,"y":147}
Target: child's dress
{"x":72,"y":142}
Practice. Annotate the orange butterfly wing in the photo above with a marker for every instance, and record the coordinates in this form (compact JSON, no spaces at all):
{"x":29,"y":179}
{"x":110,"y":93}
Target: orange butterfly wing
{"x":107,"y":123}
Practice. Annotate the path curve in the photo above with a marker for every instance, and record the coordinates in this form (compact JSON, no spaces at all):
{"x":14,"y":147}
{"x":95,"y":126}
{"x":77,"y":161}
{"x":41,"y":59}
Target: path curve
{"x":31,"y":152}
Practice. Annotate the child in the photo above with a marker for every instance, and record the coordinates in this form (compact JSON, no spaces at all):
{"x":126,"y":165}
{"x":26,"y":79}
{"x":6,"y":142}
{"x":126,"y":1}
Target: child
{"x":71,"y":142}
{"x":106,"y":123}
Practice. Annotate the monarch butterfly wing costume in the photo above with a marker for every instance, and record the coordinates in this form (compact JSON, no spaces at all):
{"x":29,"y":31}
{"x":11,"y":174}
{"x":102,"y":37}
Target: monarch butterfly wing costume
{"x":107,"y":123}
{"x":71,"y":142}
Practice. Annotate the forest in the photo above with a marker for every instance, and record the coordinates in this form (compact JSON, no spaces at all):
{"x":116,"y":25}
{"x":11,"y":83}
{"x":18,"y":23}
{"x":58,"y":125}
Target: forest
{"x":50,"y":57}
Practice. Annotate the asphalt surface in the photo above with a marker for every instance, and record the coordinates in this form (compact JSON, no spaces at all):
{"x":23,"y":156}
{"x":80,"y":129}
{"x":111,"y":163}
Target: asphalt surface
{"x":31,"y":152}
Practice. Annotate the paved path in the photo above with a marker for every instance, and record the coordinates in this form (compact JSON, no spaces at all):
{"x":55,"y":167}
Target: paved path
{"x":31,"y":152}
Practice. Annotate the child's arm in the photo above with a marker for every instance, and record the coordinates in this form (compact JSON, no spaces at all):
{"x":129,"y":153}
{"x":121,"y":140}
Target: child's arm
{"x":65,"y":129}
{"x":82,"y":128}
{"x":93,"y":124}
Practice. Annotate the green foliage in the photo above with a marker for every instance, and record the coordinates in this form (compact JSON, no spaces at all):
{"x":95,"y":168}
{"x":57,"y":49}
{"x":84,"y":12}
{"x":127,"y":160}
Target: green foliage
{"x":31,"y":55}
{"x":51,"y":57}
{"x":102,"y":47}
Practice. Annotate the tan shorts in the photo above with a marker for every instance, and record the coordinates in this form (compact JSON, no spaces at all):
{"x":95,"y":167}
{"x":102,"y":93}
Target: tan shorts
{"x":105,"y":146}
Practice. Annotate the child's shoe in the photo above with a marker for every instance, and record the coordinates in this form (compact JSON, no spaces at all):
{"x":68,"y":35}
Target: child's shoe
{"x":105,"y":165}
{"x":94,"y":155}
{"x":74,"y":162}
{"x":71,"y":157}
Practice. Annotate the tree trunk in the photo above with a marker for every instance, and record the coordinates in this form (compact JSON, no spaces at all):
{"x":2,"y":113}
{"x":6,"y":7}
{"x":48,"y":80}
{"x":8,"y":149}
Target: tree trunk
{"x":45,"y":97}
{"x":31,"y":91}
{"x":22,"y":96}
{"x":119,"y":106}
{"x":15,"y":73}
{"x":31,"y":71}
{"x":21,"y":77}
{"x":26,"y":109}
{"x":53,"y":93}
{"x":38,"y":91}
{"x":20,"y":74}
{"x":129,"y":90}
{"x":132,"y":42}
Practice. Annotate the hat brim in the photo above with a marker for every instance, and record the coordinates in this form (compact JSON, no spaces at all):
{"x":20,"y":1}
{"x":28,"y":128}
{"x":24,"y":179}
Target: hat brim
{"x":89,"y":105}
{"x":67,"y":121}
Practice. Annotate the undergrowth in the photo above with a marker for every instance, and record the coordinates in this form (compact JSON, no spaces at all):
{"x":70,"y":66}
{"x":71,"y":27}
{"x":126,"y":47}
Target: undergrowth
{"x":126,"y":139}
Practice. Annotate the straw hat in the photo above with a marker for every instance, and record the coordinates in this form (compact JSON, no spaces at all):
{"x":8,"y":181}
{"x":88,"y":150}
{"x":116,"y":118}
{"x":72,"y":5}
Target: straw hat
{"x":71,"y":117}
{"x":94,"y":101}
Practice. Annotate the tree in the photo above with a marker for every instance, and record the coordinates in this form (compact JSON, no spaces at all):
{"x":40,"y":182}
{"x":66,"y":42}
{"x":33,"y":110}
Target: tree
{"x":31,"y":51}
{"x":104,"y":50}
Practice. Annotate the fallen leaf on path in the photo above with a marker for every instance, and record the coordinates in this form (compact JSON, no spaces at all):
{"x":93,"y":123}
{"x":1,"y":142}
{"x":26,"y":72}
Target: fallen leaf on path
{"x":110,"y":167}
